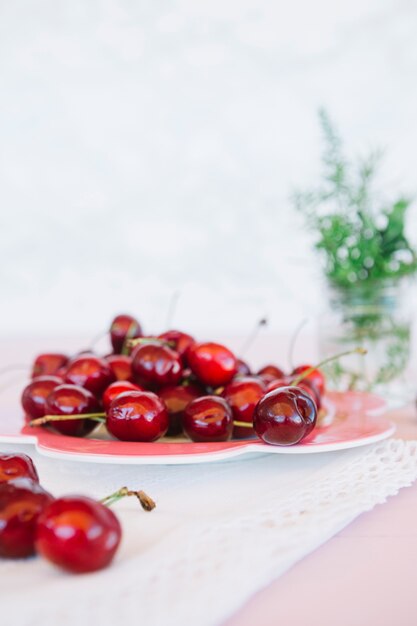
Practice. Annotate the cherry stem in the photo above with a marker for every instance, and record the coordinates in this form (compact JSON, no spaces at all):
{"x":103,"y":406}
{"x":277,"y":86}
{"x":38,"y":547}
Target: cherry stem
{"x":244,"y":424}
{"x":146,"y":501}
{"x":251,"y":338}
{"x":172,"y":307}
{"x":97,"y":417}
{"x":293,"y":341}
{"x":312,"y":369}
{"x":128,"y":339}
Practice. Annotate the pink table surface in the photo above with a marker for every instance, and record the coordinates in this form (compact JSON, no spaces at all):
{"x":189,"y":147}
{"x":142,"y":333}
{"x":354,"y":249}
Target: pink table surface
{"x":365,"y":575}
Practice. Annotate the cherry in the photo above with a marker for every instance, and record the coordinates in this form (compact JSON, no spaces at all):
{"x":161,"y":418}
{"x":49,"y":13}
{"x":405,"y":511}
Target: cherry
{"x":316,"y":377}
{"x":156,"y":365}
{"x":72,"y":400}
{"x":305,"y":384}
{"x":34,"y":395}
{"x":242,"y":368}
{"x":48,"y":364}
{"x":179,"y":341}
{"x":137,"y":416}
{"x":15,"y":466}
{"x":120,"y":365}
{"x":176,"y":399}
{"x":285,"y":416}
{"x":21,"y":502}
{"x":242,"y":395}
{"x":115,"y":389}
{"x":90,"y":372}
{"x":123,"y":327}
{"x":208,"y":419}
{"x":78,"y":534}
{"x":212,"y":363}
{"x":270,"y":372}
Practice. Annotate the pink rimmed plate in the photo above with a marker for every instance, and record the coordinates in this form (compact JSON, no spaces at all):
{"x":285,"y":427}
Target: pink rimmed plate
{"x":352,"y":419}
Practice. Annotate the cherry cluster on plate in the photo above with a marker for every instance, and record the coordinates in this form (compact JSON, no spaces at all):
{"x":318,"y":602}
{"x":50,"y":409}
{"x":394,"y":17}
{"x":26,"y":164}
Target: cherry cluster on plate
{"x":151,"y":386}
{"x":76,"y":533}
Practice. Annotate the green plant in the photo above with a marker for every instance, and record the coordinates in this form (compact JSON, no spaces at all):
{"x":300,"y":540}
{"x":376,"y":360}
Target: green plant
{"x":362,"y":240}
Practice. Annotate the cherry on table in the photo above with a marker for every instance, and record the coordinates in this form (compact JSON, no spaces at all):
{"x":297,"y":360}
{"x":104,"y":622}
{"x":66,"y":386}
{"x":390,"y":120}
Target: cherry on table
{"x":35,"y":394}
{"x":242,"y":395}
{"x":48,"y":364}
{"x":179,"y":341}
{"x":17,"y":465}
{"x":78,"y":534}
{"x":115,"y":389}
{"x":22,"y":500}
{"x":137,"y":416}
{"x":208,"y":418}
{"x":176,"y":399}
{"x":72,"y":400}
{"x":213,"y":364}
{"x":124,"y":327}
{"x":90,"y":372}
{"x":121,"y":366}
{"x":156,"y":365}
{"x":285,"y":416}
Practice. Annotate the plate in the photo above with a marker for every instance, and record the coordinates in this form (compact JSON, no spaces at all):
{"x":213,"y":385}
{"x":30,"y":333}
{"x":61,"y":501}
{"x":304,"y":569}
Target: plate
{"x":352,"y":419}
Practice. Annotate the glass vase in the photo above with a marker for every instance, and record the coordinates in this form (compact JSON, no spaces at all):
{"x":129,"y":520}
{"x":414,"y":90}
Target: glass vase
{"x":377,"y":318}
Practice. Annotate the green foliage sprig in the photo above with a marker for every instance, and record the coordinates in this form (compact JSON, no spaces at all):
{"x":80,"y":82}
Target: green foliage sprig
{"x":361,"y":239}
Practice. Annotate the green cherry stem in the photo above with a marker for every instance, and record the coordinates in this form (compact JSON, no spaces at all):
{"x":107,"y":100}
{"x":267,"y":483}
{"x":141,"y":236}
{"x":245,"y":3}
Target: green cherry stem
{"x":244,"y":424}
{"x":146,"y":501}
{"x":97,"y":417}
{"x":312,"y":369}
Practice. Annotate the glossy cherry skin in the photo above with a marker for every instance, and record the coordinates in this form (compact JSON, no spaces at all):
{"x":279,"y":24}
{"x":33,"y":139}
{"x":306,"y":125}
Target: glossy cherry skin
{"x":48,"y":364}
{"x":269,"y":372}
{"x":316,"y":377}
{"x":115,"y":389}
{"x":78,"y":534}
{"x":72,"y":400}
{"x":208,"y":419}
{"x":213,"y":364}
{"x":156,"y":365}
{"x":121,"y":328}
{"x":304,"y":384}
{"x":179,"y":341}
{"x":34,"y":395}
{"x":242,"y":395}
{"x":176,"y":399}
{"x":242,"y":368}
{"x":16,"y":466}
{"x":90,"y":372}
{"x":137,"y":416}
{"x":22,"y":500}
{"x":121,"y":366}
{"x":285,"y":416}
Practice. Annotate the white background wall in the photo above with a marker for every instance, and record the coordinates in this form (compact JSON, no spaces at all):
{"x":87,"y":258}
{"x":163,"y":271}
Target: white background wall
{"x":147,"y":147}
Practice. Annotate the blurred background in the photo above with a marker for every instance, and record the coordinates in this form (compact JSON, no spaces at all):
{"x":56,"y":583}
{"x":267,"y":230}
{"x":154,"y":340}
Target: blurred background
{"x":151,"y":148}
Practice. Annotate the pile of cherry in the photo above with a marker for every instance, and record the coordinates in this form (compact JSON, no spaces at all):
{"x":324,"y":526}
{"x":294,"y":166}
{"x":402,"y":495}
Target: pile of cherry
{"x":76,"y":533}
{"x":151,"y":386}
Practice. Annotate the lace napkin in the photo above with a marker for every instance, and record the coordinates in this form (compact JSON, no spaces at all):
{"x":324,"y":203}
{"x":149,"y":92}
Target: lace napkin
{"x":220,"y":532}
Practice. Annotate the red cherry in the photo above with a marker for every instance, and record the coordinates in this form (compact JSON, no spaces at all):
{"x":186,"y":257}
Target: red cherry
{"x":212,"y":363}
{"x":123,"y":327}
{"x":15,"y":466}
{"x":316,"y":377}
{"x":269,"y":371}
{"x":48,"y":364}
{"x":72,"y":400}
{"x":304,"y":384}
{"x":137,"y":416}
{"x":156,"y":365}
{"x":90,"y":372}
{"x":120,"y":365}
{"x":208,"y":419}
{"x":176,"y":399}
{"x":285,"y":416}
{"x":115,"y":389}
{"x":275,"y":383}
{"x":242,"y":395}
{"x":179,"y":341}
{"x":21,"y":502}
{"x":242,"y":368}
{"x":78,"y":534}
{"x":34,"y":395}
